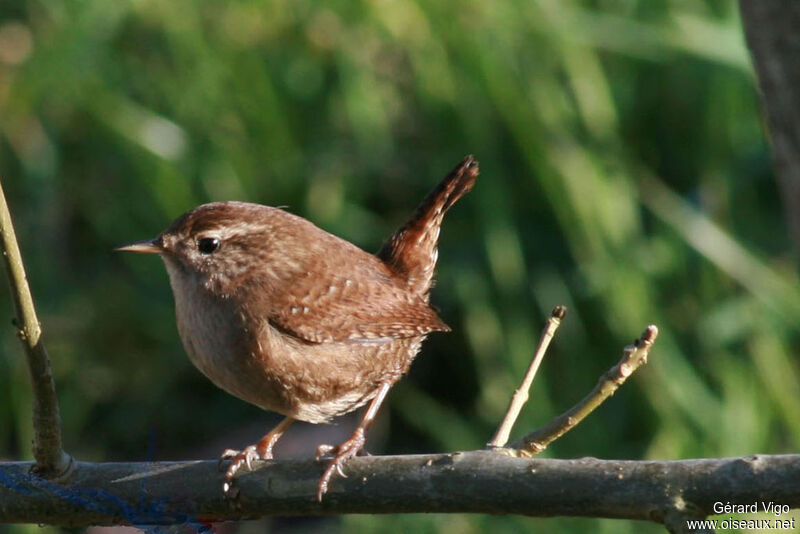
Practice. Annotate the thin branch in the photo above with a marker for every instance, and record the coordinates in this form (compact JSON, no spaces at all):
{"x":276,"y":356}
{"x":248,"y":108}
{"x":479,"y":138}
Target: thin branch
{"x":520,"y":396}
{"x":633,"y":357}
{"x":51,"y":460}
{"x":190,"y":493}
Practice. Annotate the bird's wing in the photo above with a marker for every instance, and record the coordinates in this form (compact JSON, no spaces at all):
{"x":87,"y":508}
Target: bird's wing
{"x":345,"y":295}
{"x":343,"y":309}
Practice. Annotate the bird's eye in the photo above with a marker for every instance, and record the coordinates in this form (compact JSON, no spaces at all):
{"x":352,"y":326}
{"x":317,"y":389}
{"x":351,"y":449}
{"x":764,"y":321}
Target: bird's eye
{"x":208,"y":245}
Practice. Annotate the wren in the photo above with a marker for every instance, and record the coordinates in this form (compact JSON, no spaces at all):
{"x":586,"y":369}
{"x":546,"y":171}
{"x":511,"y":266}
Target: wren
{"x":290,"y":318}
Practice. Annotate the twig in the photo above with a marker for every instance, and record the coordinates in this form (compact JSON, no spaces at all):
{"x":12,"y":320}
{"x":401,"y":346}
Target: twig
{"x":520,"y":396}
{"x":51,"y":460}
{"x":633,"y":357}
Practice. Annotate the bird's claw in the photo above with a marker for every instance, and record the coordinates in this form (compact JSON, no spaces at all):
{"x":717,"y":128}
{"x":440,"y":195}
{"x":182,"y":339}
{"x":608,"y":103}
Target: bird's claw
{"x":239,"y":459}
{"x":339,"y":469}
{"x":230,"y":491}
{"x":324,"y":450}
{"x":227,"y":454}
{"x":329,"y":451}
{"x":343,"y":452}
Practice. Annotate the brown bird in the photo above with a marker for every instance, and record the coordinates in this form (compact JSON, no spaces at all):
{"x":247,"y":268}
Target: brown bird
{"x":286,"y":316}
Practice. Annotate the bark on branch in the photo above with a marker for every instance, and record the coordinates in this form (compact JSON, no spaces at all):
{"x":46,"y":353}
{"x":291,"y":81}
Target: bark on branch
{"x":51,"y":460}
{"x":475,"y":481}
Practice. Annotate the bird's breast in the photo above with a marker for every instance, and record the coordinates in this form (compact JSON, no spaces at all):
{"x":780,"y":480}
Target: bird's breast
{"x":219,"y":342}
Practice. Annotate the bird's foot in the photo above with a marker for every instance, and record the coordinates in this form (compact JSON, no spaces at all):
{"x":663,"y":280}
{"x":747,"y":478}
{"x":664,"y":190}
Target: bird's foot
{"x":326,"y":452}
{"x":245,"y":458}
{"x":346,"y":450}
{"x":240,"y":459}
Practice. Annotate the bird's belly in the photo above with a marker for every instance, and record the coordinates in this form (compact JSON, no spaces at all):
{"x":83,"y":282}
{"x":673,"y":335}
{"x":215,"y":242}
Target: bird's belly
{"x":271,"y":369}
{"x":324,"y":380}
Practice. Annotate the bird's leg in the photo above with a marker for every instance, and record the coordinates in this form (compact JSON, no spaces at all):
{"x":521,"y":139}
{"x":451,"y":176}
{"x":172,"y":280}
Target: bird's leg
{"x":258,"y":451}
{"x":354,"y":443}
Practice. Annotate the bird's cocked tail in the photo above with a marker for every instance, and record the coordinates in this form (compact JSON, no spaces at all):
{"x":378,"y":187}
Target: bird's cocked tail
{"x":411,"y":251}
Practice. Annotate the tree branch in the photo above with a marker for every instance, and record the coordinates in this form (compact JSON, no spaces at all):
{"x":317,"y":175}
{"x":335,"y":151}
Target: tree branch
{"x":51,"y":460}
{"x":633,"y":357}
{"x":476,"y":482}
{"x":520,"y":396}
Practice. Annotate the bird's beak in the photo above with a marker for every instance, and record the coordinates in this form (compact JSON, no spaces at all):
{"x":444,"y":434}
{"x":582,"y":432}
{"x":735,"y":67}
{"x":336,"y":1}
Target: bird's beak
{"x":149,"y":246}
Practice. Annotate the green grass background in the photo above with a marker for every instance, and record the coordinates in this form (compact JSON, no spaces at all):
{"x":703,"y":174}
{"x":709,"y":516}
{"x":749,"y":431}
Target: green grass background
{"x":625,"y":174}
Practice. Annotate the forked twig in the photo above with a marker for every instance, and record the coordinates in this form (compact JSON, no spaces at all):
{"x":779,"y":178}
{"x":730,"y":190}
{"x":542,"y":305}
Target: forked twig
{"x":520,"y":396}
{"x":51,"y":460}
{"x":634,"y":356}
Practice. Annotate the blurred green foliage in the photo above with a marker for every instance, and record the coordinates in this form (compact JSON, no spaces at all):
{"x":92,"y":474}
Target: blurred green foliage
{"x":625,"y":174}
